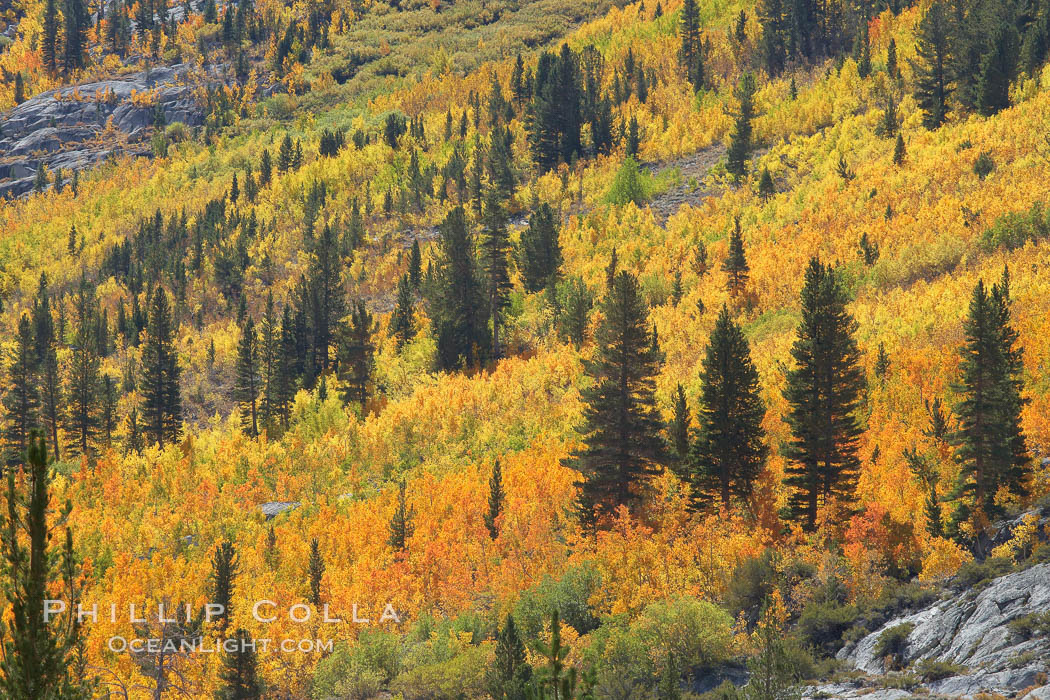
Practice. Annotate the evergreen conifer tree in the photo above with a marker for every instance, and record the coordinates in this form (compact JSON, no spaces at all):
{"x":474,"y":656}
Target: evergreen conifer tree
{"x":402,"y":327}
{"x":991,"y":446}
{"x":495,"y":247}
{"x":509,"y":675}
{"x":248,"y":381}
{"x":401,"y":525}
{"x":621,"y":431}
{"x":729,"y":452}
{"x":495,"y":500}
{"x":21,"y":395}
{"x":740,"y":143}
{"x":932,"y":67}
{"x":239,"y":673}
{"x":162,"y":402}
{"x":823,"y":392}
{"x":735,"y":265}
{"x":457,"y":304}
{"x":357,"y":355}
{"x":315,"y":571}
{"x":541,"y":256}
{"x":225,"y":565}
{"x":47,"y":364}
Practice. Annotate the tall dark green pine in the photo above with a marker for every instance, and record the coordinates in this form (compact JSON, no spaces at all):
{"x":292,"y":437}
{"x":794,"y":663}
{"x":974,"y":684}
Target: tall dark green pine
{"x":49,"y":41}
{"x":735,"y":265}
{"x":824,"y":393}
{"x":932,"y":68}
{"x":681,"y":422}
{"x":991,"y":446}
{"x":540,"y":258}
{"x":775,"y":35}
{"x":457,"y":303}
{"x":509,"y":675}
{"x":401,"y":526}
{"x":37,"y":655}
{"x":76,"y":18}
{"x":496,"y":497}
{"x":621,"y":430}
{"x":225,"y":565}
{"x":415,"y":265}
{"x":162,"y":402}
{"x":690,"y":51}
{"x":248,"y":381}
{"x":240,"y":671}
{"x":998,"y":69}
{"x":357,"y":355}
{"x":740,"y":142}
{"x":315,"y":572}
{"x":21,"y":395}
{"x":83,"y":379}
{"x":495,"y":251}
{"x":729,"y":452}
{"x":107,"y":410}
{"x":47,"y":364}
{"x":402,"y":327}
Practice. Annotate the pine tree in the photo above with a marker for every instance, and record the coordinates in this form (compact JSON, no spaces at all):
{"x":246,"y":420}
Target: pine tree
{"x":882,"y":362}
{"x":76,"y":19}
{"x":740,"y":143}
{"x":21,"y":396}
{"x":681,"y":422}
{"x":823,"y":392}
{"x":133,"y":441}
{"x":269,"y":362}
{"x":457,"y":304}
{"x":509,"y":675}
{"x":49,"y":41}
{"x":401,"y":526}
{"x":931,"y":70}
{"x":862,"y":52}
{"x":892,"y":69}
{"x":991,"y":446}
{"x":325,"y":298}
{"x":774,"y":20}
{"x":37,"y":654}
{"x":556,"y":680}
{"x":315,"y":572}
{"x":495,"y":500}
{"x":541,"y":257}
{"x":47,"y":364}
{"x":240,"y":674}
{"x":495,"y":247}
{"x":728,"y":454}
{"x":225,"y":565}
{"x":415,"y":265}
{"x":899,"y":151}
{"x":735,"y":265}
{"x":766,"y":187}
{"x":285,"y":155}
{"x":162,"y":403}
{"x":621,"y":429}
{"x":20,"y":88}
{"x":402,"y":327}
{"x":357,"y":355}
{"x":83,"y":378}
{"x":247,"y":385}
{"x":998,"y":69}
{"x":575,"y":311}
{"x":107,"y":417}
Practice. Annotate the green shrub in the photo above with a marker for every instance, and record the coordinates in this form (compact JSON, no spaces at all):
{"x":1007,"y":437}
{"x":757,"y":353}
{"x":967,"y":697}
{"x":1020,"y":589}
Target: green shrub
{"x":932,"y":670}
{"x":892,"y":643}
{"x":629,"y":185}
{"x":696,"y":632}
{"x":750,"y":585}
{"x":1034,"y":625}
{"x":984,"y":165}
{"x":823,"y":623}
{"x":726,"y":691}
{"x":1014,"y":229}
{"x":347,"y":673}
{"x":568,"y":595}
{"x":462,"y":676}
{"x":975,"y":574}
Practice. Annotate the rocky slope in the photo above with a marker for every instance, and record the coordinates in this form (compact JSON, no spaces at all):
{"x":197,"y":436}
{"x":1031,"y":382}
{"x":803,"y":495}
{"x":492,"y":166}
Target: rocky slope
{"x":971,"y":636}
{"x":73,"y":128}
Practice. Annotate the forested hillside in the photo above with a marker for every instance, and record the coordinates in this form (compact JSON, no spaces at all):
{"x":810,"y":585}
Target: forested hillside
{"x":618,"y":350}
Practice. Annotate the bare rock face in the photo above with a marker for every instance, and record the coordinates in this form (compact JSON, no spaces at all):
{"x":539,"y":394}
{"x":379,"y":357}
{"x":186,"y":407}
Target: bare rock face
{"x":972,"y":631}
{"x":74,"y":128}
